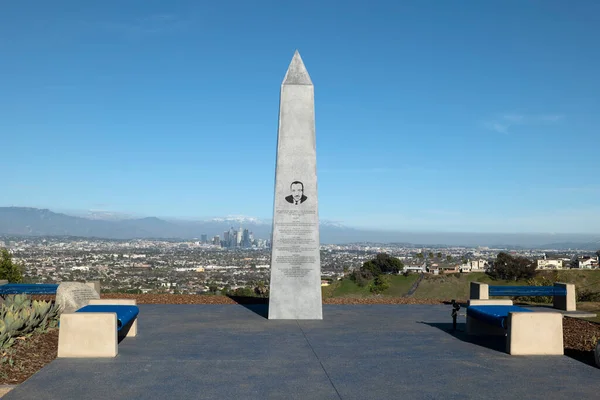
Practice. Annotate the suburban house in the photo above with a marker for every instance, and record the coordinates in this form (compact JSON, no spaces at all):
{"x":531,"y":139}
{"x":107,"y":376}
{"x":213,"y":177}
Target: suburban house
{"x":587,"y":262}
{"x":437,"y":269}
{"x":418,"y":268}
{"x":550,"y":263}
{"x":449,"y":269}
{"x":474,"y":266}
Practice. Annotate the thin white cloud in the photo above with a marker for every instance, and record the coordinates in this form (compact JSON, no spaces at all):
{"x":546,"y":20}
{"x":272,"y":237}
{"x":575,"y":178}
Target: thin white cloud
{"x":497,"y":127}
{"x":504,"y":123}
{"x":513,"y":118}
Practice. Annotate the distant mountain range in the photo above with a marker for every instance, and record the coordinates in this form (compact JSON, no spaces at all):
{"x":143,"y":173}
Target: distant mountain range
{"x":25,"y":221}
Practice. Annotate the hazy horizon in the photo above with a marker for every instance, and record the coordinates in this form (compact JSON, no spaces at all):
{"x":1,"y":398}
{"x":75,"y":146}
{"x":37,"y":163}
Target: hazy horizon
{"x":101,"y":214}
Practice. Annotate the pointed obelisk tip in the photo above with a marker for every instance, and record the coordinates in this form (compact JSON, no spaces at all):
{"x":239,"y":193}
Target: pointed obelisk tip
{"x":297,"y":73}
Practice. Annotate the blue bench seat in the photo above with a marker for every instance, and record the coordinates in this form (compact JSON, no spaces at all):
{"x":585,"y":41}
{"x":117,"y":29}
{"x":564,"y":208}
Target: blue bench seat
{"x":527,"y":291}
{"x":28,"y":288}
{"x":125,"y":313}
{"x":493,"y":315}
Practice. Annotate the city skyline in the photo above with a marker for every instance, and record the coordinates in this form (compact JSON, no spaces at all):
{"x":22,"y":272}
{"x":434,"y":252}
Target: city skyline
{"x":429,"y":116}
{"x":32,"y":223}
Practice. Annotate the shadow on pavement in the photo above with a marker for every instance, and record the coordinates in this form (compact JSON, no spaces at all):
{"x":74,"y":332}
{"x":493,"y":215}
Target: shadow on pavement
{"x":586,"y":357}
{"x":258,"y":305}
{"x":497,"y":343}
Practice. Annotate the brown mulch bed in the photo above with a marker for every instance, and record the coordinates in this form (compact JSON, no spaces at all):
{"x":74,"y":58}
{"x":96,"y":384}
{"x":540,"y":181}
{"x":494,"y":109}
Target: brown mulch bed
{"x":580,"y":338}
{"x":210,"y":299}
{"x":149,"y":298}
{"x":31,"y":354}
{"x":379,"y":300}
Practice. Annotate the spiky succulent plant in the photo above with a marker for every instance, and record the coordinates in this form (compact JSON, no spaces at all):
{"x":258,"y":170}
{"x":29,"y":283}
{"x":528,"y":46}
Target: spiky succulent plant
{"x":19,"y":316}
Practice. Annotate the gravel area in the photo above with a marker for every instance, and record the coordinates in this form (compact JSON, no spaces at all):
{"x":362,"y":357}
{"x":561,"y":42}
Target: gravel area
{"x":580,"y":334}
{"x":209,"y":299}
{"x":28,"y":356}
{"x":580,"y":338}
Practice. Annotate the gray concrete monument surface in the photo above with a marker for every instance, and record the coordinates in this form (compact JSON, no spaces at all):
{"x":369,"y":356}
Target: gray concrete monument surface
{"x":295,"y":291}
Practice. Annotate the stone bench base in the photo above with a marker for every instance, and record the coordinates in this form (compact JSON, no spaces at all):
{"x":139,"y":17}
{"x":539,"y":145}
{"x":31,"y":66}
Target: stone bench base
{"x":92,"y":334}
{"x":528,"y":333}
{"x":535,"y":333}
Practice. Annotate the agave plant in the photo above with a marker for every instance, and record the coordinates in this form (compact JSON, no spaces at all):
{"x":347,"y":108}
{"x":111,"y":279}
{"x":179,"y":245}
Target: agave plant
{"x":41,"y":307}
{"x":6,"y":336}
{"x":30,"y":320}
{"x":19,"y":316}
{"x":49,"y":316}
{"x":53,"y":315}
{"x":17,"y":301}
{"x":13,"y":321}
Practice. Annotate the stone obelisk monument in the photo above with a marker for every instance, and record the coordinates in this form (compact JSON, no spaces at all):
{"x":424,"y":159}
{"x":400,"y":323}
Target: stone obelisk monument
{"x":295,"y":291}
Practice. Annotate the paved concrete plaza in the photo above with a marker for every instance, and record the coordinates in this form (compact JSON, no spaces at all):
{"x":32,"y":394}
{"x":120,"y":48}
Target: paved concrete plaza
{"x":355,"y":352}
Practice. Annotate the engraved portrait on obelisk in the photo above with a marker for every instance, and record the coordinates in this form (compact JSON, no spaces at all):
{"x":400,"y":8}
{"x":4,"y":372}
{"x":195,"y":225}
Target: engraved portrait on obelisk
{"x":295,"y":288}
{"x":297,"y":196}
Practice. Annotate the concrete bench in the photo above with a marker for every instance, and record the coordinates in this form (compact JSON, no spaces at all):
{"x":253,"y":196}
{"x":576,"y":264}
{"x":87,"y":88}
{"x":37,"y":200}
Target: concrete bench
{"x":563,"y":294}
{"x":94,"y":330}
{"x":527,"y":332}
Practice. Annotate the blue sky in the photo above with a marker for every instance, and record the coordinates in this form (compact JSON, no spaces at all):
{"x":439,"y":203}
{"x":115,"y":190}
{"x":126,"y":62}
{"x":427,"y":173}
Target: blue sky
{"x":431,"y":115}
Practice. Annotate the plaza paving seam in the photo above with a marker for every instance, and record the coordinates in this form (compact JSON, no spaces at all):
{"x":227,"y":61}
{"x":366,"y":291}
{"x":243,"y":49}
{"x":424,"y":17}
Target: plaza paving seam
{"x":317,"y":357}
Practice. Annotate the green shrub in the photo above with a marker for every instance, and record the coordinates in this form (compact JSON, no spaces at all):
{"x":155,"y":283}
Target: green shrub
{"x":19,"y":316}
{"x":380,"y":284}
{"x":361,"y":277}
{"x":244,"y":292}
{"x":588,"y":295}
{"x":512,"y":268}
{"x":383,"y":264}
{"x":8,"y":269}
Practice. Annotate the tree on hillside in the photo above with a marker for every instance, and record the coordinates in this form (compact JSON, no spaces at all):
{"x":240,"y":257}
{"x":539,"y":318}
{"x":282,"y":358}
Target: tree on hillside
{"x":8,"y":269}
{"x":512,"y":268}
{"x":574,"y":262}
{"x":449,"y":258}
{"x":212,"y":287}
{"x":420,"y":256}
{"x":361,"y":277}
{"x":439,"y":255}
{"x":261,"y":289}
{"x":383,"y":264}
{"x":380,"y":284}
